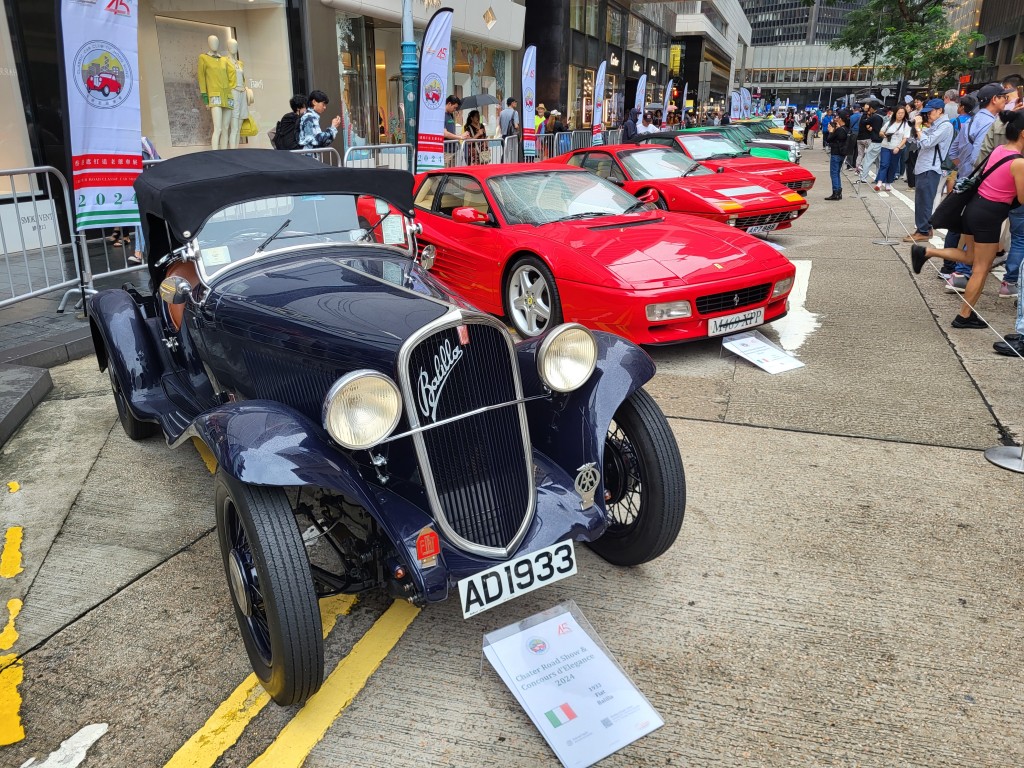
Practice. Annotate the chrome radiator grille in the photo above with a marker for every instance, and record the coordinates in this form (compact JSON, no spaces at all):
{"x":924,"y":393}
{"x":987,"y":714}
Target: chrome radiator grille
{"x":477,"y":469}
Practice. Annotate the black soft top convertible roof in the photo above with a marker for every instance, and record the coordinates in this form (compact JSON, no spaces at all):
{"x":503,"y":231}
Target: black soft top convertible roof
{"x":185,"y":191}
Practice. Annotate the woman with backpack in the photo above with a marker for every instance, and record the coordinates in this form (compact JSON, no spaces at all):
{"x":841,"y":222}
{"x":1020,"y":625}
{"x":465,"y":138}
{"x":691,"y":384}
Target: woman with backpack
{"x":286,"y":134}
{"x":1000,"y":189}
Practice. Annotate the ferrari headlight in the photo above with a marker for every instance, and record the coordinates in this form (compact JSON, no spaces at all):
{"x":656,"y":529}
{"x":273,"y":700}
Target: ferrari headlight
{"x":673,"y":310}
{"x":361,"y":409}
{"x":567,"y":357}
{"x":782,"y":287}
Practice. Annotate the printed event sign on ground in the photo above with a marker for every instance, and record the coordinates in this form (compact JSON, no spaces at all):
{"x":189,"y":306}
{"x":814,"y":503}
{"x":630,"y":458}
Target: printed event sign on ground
{"x":101,"y":64}
{"x":756,"y":348}
{"x":565,"y":679}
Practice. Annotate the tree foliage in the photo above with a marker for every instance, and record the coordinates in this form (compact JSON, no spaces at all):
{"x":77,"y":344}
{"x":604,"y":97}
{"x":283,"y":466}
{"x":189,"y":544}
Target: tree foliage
{"x":911,"y":36}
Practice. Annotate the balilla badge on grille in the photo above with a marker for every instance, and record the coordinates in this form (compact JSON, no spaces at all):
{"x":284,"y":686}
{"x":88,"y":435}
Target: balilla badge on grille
{"x":430,"y":388}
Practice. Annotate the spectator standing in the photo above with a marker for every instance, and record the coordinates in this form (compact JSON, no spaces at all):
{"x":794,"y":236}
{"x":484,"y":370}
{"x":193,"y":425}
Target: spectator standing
{"x":933,"y":143}
{"x":474,"y":131}
{"x":894,"y":138}
{"x":951,"y":97}
{"x":836,"y":139}
{"x":647,"y":124}
{"x":286,"y":133}
{"x":991,"y":100}
{"x":629,"y":128}
{"x":452,"y":105}
{"x":310,"y":135}
{"x":854,"y":129}
{"x":508,"y":120}
{"x":918,"y":104}
{"x":539,"y":116}
{"x":813,"y":123}
{"x":984,"y":216}
{"x":869,"y":140}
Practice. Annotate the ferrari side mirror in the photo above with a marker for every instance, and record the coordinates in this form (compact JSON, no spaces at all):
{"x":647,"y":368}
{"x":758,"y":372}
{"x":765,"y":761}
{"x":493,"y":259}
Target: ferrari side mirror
{"x":175,"y":290}
{"x":467,"y":215}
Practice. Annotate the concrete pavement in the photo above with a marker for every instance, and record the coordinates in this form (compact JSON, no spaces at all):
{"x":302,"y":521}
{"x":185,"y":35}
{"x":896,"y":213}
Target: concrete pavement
{"x":845,"y":590}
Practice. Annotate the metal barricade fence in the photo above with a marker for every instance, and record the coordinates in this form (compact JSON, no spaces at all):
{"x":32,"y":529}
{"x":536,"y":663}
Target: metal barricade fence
{"x":396,"y":156}
{"x":478,"y":152}
{"x":36,"y":260}
{"x":614,"y":136}
{"x":326,"y":155}
{"x":581,"y":139}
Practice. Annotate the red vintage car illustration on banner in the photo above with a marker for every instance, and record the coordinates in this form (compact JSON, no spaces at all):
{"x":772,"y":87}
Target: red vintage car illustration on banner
{"x":674,"y":182}
{"x":715,"y":152}
{"x":104,"y":82}
{"x":541,"y":243}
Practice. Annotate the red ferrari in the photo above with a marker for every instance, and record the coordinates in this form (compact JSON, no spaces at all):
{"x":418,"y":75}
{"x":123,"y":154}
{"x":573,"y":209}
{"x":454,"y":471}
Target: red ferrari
{"x":717,"y":153}
{"x":542,"y":244}
{"x":674,"y":182}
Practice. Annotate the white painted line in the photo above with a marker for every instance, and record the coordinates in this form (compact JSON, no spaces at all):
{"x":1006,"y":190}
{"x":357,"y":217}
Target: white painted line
{"x":883,"y":194}
{"x":71,"y":752}
{"x":900,"y":196}
{"x":937,"y":242}
{"x":796,"y":326}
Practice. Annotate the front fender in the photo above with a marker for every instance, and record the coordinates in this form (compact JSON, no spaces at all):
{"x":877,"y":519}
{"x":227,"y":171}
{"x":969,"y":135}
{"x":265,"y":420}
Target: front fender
{"x":571,"y":428}
{"x":263,"y":442}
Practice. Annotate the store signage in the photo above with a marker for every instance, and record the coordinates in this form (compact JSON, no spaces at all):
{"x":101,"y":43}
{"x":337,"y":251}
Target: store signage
{"x":34,"y":220}
{"x":613,"y":60}
{"x":101,"y":62}
{"x":598,"y":123}
{"x":430,"y":141}
{"x":530,"y":102}
{"x":654,"y":71}
{"x":636,"y":66}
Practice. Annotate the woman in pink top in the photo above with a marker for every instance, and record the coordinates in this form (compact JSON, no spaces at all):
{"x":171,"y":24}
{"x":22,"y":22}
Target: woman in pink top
{"x":983,"y":218}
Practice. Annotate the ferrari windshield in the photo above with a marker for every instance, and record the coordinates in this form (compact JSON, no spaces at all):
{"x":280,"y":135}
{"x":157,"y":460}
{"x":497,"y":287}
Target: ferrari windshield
{"x":646,"y":164}
{"x":546,"y":197}
{"x":706,"y":146}
{"x":251,"y":228}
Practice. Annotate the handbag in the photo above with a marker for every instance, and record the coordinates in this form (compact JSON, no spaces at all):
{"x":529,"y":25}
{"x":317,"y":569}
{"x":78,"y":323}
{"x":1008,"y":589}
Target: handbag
{"x":249,"y":127}
{"x":949,"y":213}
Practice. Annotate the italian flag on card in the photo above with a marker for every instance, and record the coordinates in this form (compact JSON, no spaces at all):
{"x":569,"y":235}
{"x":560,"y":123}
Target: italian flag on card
{"x":560,"y":715}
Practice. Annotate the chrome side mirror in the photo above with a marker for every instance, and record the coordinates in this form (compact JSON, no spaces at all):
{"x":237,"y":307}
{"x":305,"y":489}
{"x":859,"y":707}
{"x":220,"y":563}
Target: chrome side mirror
{"x":175,"y":290}
{"x":427,"y":257}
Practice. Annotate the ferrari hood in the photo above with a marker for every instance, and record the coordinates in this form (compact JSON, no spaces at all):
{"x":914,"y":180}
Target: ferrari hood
{"x":660,"y":250}
{"x":758,"y":166}
{"x":749,"y":192}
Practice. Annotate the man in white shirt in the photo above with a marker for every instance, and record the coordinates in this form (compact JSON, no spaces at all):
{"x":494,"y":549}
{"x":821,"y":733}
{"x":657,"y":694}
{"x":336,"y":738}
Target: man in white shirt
{"x":647,"y":125}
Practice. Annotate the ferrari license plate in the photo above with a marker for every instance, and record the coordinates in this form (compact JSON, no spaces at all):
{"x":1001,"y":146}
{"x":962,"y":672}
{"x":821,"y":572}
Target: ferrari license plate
{"x":737,"y":322}
{"x":759,"y":228}
{"x":482,"y":591}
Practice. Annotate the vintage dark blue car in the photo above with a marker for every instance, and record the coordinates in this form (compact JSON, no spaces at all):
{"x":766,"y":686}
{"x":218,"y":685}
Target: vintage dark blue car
{"x":295,"y":330}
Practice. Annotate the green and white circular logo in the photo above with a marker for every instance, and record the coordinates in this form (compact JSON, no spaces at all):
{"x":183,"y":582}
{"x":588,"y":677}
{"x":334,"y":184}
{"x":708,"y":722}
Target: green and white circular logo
{"x":105,"y":76}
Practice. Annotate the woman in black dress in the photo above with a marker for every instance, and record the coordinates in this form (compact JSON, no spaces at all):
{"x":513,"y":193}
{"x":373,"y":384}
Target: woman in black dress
{"x":838,"y":133}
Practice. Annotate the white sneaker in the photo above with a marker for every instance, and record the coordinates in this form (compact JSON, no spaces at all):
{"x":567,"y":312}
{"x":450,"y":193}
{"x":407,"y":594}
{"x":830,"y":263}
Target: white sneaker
{"x":888,"y":187}
{"x":878,"y":187}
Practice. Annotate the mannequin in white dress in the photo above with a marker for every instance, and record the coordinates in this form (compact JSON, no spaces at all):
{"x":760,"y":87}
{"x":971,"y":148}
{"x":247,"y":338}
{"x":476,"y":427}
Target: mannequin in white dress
{"x":216,"y":85}
{"x":240,"y":110}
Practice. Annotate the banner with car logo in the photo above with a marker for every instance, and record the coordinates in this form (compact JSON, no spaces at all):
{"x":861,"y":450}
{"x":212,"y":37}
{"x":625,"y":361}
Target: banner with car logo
{"x":430,"y":149}
{"x":101,"y":67}
{"x":668,"y":100}
{"x":641,"y":93}
{"x":744,"y":102}
{"x":598,"y":106}
{"x":734,"y":105}
{"x":530,"y":102}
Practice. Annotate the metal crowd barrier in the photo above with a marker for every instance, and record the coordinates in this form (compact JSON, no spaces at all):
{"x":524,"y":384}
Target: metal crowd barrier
{"x":36,"y":260}
{"x":613,"y":136}
{"x":479,"y":152}
{"x":396,"y":156}
{"x":327,"y":155}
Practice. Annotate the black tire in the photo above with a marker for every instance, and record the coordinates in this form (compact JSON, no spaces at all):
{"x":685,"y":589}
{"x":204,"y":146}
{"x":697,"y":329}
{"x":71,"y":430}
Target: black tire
{"x":106,"y":90}
{"x":659,"y":202}
{"x":645,"y":485}
{"x":541,"y":307}
{"x":271,"y":588}
{"x":135,"y":428}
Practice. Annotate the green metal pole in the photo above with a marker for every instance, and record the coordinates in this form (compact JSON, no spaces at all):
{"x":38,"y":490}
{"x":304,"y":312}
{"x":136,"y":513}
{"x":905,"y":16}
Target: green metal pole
{"x":410,"y":71}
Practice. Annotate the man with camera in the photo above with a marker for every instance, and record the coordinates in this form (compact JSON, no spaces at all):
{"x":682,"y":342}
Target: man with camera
{"x":933,"y":143}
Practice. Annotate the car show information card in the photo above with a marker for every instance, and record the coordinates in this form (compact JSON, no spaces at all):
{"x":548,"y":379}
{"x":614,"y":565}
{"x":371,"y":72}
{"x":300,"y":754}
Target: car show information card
{"x":756,"y":348}
{"x":564,"y":678}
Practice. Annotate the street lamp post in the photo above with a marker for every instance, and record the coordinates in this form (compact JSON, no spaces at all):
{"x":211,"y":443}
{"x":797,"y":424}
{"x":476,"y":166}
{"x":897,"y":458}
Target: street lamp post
{"x":409,"y":69}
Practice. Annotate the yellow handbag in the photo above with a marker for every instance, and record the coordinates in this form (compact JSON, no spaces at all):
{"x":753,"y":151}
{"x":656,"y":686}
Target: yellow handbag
{"x":249,"y":127}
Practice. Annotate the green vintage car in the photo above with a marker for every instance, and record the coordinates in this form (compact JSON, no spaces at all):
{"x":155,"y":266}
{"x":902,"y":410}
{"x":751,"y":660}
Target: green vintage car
{"x":775,"y":147}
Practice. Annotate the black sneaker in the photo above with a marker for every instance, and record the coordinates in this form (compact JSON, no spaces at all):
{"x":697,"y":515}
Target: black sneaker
{"x":1009,"y":348}
{"x":917,"y":257}
{"x":971,"y":321}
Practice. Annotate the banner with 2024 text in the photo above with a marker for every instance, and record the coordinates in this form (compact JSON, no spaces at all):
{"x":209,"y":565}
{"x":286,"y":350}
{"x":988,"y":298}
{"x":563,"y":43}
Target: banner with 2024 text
{"x":433,"y":90}
{"x":101,"y":64}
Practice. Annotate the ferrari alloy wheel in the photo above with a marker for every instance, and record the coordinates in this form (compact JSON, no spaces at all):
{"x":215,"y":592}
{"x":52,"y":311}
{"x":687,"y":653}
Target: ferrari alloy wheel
{"x":271,"y":588}
{"x":531,"y":297}
{"x":644,"y":484}
{"x":135,"y":428}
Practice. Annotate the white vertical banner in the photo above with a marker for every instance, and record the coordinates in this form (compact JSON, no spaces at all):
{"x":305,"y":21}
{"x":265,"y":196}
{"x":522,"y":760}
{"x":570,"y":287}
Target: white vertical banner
{"x":101,"y":64}
{"x":668,"y":100}
{"x":641,"y":93}
{"x":433,"y":91}
{"x":734,"y":106}
{"x":598,"y":124}
{"x":530,"y":102}
{"x":744,"y":102}
{"x":686,"y":91}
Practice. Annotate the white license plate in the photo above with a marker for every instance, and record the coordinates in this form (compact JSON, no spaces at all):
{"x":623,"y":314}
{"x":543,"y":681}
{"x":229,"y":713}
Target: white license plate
{"x":760,"y":228}
{"x":482,"y":591}
{"x":737,"y":322}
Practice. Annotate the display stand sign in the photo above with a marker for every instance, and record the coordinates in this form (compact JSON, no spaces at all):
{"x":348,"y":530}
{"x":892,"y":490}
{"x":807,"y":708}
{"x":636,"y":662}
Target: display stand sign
{"x":530,"y":102}
{"x":753,"y":346}
{"x":668,"y":100}
{"x":563,"y":676}
{"x":598,"y":123}
{"x":434,"y":61}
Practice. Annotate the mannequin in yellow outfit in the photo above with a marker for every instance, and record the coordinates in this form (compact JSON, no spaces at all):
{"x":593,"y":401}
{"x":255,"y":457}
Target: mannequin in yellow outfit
{"x":216,"y":84}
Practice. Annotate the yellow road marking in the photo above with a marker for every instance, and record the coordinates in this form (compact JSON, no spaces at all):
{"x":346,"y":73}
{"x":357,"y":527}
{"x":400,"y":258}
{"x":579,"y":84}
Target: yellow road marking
{"x":10,"y":560}
{"x":309,"y":725}
{"x":11,"y":729}
{"x":229,"y":720}
{"x":13,"y":487}
{"x":10,"y":634}
{"x":208,"y":458}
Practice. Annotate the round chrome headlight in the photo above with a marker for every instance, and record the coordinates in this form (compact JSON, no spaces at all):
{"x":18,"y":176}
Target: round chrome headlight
{"x":361,"y":409}
{"x":567,"y":357}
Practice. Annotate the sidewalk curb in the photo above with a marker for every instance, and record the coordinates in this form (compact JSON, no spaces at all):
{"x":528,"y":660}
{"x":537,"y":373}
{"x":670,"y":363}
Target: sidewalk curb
{"x":52,"y":351}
